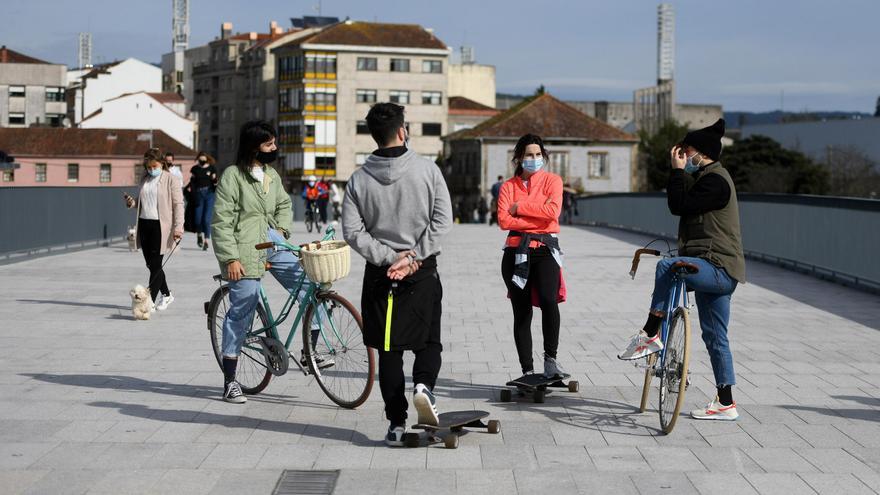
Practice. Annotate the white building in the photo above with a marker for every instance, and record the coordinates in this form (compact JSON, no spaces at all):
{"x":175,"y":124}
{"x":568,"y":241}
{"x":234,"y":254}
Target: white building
{"x":87,"y":92}
{"x":31,"y":91}
{"x":588,"y":154}
{"x":142,"y":110}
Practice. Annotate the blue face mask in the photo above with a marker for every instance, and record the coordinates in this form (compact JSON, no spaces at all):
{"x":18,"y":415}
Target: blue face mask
{"x":155,"y":172}
{"x":691,"y":167}
{"x":533,"y":165}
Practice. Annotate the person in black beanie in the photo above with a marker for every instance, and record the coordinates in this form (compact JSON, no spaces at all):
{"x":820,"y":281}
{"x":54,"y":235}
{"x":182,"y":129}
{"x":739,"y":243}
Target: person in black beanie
{"x":702,"y":193}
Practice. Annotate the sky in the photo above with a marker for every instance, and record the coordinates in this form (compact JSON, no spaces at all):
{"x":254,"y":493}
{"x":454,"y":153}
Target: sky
{"x":748,"y":55}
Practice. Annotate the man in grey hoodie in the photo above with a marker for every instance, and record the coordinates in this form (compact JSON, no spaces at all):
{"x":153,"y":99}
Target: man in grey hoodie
{"x":395,"y":211}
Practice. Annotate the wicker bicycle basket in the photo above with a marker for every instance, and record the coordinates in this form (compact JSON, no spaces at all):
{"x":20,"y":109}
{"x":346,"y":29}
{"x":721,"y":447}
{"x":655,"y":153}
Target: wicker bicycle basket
{"x":326,"y":261}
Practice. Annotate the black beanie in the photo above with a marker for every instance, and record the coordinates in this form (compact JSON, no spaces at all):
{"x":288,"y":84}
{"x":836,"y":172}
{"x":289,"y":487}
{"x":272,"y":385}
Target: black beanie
{"x":707,"y":140}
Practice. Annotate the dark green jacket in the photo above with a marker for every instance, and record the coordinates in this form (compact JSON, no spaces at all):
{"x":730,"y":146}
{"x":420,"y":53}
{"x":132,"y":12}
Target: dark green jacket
{"x":244,"y":210}
{"x":709,"y":227}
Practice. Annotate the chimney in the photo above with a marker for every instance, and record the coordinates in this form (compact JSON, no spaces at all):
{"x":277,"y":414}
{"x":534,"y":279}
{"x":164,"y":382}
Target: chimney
{"x":225,"y":30}
{"x":272,"y":26}
{"x":252,"y":36}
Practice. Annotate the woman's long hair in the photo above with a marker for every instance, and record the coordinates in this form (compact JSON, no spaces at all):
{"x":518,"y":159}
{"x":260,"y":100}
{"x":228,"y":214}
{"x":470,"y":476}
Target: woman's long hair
{"x":153,"y":155}
{"x":520,"y":150}
{"x":253,"y":134}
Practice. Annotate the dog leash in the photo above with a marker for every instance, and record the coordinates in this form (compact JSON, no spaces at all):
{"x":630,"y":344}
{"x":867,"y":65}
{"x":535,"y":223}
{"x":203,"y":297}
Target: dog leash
{"x":167,"y":259}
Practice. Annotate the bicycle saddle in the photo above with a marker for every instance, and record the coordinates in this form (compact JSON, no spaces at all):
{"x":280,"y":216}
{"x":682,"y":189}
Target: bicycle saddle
{"x":690,"y":268}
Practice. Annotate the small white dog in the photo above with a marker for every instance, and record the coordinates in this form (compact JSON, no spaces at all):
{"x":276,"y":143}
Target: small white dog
{"x":141,"y":302}
{"x":132,"y":239}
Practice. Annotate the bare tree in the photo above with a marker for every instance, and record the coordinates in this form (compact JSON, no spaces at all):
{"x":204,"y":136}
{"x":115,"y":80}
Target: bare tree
{"x":853,"y":173}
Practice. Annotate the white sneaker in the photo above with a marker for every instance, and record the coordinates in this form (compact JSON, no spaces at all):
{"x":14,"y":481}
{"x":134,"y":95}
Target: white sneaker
{"x":641,"y":346}
{"x":426,"y":405}
{"x":394,"y":437}
{"x":164,"y":301}
{"x":716,"y":411}
{"x":233,"y":393}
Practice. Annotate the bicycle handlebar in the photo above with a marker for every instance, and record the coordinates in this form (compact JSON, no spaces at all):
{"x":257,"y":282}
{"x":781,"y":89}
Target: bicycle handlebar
{"x":264,"y":245}
{"x":329,"y":234}
{"x":635,"y":263}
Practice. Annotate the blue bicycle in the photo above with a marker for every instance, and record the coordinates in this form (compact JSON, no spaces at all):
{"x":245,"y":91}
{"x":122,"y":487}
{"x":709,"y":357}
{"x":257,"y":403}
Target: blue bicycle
{"x":670,"y":365}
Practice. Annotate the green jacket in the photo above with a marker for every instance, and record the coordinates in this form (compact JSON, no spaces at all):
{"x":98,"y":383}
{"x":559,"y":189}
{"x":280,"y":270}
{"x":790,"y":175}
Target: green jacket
{"x":244,"y":210}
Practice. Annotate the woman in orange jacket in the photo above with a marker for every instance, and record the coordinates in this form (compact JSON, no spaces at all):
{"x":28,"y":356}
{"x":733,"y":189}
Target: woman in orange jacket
{"x":528,"y":207}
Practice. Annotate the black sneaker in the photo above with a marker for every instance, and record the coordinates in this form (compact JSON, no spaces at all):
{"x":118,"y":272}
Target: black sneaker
{"x":426,"y":405}
{"x":232,"y":393}
{"x":394,"y":437}
{"x":320,"y":361}
{"x":200,"y":239}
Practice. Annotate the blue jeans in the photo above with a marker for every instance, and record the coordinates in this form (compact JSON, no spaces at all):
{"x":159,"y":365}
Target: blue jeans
{"x":244,"y":295}
{"x":712,"y":288}
{"x":204,"y":208}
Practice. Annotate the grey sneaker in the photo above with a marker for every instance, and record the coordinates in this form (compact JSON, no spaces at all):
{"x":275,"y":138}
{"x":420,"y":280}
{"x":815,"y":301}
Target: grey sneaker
{"x":426,"y":405}
{"x":552,"y":368}
{"x":233,"y":393}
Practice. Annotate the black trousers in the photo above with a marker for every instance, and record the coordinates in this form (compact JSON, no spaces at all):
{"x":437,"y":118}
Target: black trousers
{"x":151,"y":245}
{"x":543,"y":274}
{"x":426,"y":367}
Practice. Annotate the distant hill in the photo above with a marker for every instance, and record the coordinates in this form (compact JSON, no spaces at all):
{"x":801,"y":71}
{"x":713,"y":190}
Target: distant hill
{"x":736,"y":120}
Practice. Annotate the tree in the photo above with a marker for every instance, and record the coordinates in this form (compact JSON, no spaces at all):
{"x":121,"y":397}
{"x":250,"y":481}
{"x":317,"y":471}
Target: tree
{"x":654,"y":153}
{"x":760,"y":164}
{"x":541,"y":90}
{"x":853,"y":173}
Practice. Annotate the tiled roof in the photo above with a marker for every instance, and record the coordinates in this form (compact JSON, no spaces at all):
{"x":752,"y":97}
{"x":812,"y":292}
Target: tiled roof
{"x":8,"y":56}
{"x":376,"y":34}
{"x":59,"y":141}
{"x":101,"y":69}
{"x":459,"y":105}
{"x":169,"y":97}
{"x":547,"y":117}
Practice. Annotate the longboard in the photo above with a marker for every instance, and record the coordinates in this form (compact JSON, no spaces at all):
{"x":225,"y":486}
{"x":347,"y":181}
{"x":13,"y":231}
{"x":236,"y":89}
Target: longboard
{"x":455,"y":422}
{"x":537,"y":384}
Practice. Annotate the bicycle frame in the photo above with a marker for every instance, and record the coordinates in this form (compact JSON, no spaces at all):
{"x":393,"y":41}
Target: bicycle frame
{"x":678,"y":298}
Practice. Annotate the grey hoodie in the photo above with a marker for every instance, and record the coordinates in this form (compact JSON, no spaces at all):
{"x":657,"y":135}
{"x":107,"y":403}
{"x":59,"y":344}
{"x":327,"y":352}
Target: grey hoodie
{"x":396,"y":204}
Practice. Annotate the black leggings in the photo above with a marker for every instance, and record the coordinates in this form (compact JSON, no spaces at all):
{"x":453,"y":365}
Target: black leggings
{"x":426,"y":367}
{"x":150,"y":236}
{"x":543,"y":274}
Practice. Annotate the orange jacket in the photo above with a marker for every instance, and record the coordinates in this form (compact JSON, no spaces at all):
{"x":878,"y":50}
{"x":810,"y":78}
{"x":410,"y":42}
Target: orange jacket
{"x":538,"y":207}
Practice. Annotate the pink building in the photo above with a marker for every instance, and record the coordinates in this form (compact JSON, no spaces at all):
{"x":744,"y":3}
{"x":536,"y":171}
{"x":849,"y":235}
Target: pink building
{"x":52,"y":156}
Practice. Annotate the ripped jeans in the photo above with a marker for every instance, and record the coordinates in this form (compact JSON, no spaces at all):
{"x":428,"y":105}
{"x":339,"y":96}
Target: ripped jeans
{"x":712,"y":288}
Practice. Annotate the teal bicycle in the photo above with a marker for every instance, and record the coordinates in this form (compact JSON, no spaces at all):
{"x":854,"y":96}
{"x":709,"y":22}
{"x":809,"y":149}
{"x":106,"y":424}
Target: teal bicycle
{"x":333,"y":349}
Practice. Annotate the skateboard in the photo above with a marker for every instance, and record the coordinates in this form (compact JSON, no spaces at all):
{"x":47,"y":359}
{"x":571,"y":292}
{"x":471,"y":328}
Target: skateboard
{"x":455,"y":422}
{"x":537,"y":385}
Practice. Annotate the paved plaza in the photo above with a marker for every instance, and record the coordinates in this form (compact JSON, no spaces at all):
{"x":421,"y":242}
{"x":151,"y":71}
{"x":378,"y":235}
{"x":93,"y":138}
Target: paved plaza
{"x":94,"y":402}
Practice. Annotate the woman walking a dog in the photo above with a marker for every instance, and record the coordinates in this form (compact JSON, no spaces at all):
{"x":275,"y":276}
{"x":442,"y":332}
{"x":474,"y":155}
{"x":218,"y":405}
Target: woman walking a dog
{"x":159,"y":220}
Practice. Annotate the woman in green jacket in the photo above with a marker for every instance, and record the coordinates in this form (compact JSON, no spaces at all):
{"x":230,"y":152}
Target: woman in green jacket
{"x":251,"y":207}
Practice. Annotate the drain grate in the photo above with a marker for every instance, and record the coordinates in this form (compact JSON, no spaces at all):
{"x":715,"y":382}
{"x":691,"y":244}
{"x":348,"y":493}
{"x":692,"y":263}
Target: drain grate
{"x":294,"y":482}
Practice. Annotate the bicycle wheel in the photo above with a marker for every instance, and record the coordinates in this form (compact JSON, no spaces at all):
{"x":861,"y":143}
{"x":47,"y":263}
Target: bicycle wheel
{"x":251,"y":372}
{"x":342,"y":364}
{"x":649,"y":373}
{"x":308,"y":221}
{"x":317,"y":216}
{"x":673,"y":375}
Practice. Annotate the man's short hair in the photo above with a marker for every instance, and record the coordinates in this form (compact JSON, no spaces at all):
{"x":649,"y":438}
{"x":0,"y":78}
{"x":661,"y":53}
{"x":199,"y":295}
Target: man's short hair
{"x":383,"y":120}
{"x":500,"y":177}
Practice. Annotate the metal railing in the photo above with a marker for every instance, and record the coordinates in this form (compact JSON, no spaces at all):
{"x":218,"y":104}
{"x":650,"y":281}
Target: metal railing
{"x":830,"y":237}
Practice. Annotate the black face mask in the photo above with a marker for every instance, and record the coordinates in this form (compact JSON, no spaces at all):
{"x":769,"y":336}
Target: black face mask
{"x":267,"y":158}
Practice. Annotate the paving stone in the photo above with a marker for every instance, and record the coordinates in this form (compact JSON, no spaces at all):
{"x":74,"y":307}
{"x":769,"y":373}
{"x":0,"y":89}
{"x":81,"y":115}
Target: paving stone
{"x":618,"y":459}
{"x":780,"y":460}
{"x":707,"y":483}
{"x":778,"y":483}
{"x":832,"y":484}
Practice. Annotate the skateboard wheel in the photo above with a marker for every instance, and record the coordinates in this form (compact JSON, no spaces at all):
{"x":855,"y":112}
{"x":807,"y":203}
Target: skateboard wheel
{"x":494,"y":426}
{"x":451,"y":441}
{"x":506,"y":395}
{"x":539,"y":396}
{"x":573,"y":386}
{"x":411,"y":440}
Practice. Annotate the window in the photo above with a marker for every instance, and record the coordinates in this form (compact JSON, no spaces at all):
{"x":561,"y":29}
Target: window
{"x":360,"y":158}
{"x":362,"y":127}
{"x":431,"y":129}
{"x":598,"y":165}
{"x":310,"y":131}
{"x":180,"y":76}
{"x":104,"y":174}
{"x":16,"y":91}
{"x":432,"y":66}
{"x":40,"y":172}
{"x":72,"y":172}
{"x":325,"y":162}
{"x":399,"y":97}
{"x":16,"y":118}
{"x":55,"y":119}
{"x":366,"y":96}
{"x":559,"y":164}
{"x":432,"y":97}
{"x":9,"y":176}
{"x":54,"y":94}
{"x":399,"y":65}
{"x":366,"y":63}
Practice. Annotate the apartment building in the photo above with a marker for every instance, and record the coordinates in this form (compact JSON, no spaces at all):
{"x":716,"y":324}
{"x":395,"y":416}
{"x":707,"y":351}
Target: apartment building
{"x":31,"y":90}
